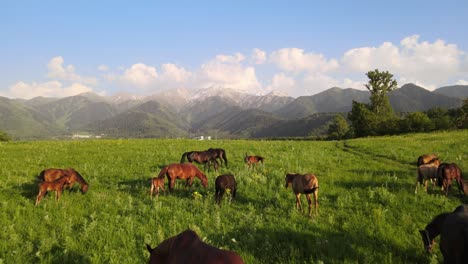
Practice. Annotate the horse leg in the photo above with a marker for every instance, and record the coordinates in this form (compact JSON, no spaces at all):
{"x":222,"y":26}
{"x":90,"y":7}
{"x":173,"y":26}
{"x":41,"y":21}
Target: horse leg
{"x":57,"y":194}
{"x":447,"y":186}
{"x":171,"y":185}
{"x":151,"y":190}
{"x":298,"y":202}
{"x":39,"y":197}
{"x":309,"y":201}
{"x":316,"y":201}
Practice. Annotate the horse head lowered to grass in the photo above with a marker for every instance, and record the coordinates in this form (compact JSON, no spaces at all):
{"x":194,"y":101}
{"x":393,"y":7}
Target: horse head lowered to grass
{"x":187,"y":247}
{"x":304,"y":183}
{"x":183,"y":171}
{"x":453,"y":230}
{"x":50,"y":175}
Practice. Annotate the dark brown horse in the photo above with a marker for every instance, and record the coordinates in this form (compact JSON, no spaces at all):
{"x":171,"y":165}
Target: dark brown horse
{"x":426,"y":172}
{"x":424,"y":159}
{"x":453,"y":230}
{"x":185,"y":171}
{"x":201,"y":157}
{"x":56,"y":185}
{"x":49,"y":175}
{"x":223,"y":182}
{"x":156,"y":184}
{"x":253,"y":160}
{"x":186,"y":248}
{"x":432,"y":230}
{"x":304,"y":183}
{"x":447,"y":172}
{"x":454,"y":236}
{"x":220,"y":154}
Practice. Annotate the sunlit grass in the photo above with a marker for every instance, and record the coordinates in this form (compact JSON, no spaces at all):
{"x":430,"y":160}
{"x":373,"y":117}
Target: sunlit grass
{"x":368,"y":211}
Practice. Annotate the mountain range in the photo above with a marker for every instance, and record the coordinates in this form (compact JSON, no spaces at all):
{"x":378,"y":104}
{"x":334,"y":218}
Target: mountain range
{"x":222,"y":113}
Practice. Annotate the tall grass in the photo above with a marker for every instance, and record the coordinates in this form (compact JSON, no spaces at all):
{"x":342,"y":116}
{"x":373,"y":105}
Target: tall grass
{"x":368,"y":209}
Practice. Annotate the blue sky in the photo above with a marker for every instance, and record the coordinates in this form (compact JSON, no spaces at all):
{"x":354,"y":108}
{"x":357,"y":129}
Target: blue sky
{"x":61,"y":48}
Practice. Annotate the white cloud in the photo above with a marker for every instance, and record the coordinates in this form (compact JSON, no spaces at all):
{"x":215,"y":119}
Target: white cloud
{"x":140,"y":75}
{"x":238,"y":57}
{"x":67,"y":73}
{"x":103,"y":68}
{"x":281,"y":83}
{"x":297,"y":61}
{"x":462,"y":82}
{"x":46,"y":89}
{"x":419,"y":62}
{"x":171,"y":72}
{"x":259,"y":56}
{"x":226,"y":71}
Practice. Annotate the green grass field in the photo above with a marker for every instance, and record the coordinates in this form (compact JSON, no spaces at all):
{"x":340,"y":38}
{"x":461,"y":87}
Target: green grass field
{"x":368,"y":211}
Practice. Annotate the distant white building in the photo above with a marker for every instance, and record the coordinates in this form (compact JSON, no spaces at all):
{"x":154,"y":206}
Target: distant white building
{"x":203,"y":138}
{"x":78,"y":136}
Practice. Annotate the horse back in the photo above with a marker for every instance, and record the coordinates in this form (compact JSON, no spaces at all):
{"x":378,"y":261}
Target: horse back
{"x":52,"y":174}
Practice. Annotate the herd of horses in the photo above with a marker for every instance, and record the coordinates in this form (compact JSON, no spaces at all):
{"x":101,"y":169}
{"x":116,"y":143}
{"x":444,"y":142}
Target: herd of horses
{"x":452,"y":227}
{"x":442,"y":174}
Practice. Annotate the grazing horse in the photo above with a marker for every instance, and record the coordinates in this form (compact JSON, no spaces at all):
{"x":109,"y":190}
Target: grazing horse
{"x":426,"y":172}
{"x":448,"y":172}
{"x":200,"y":157}
{"x":432,"y":230}
{"x":454,"y":236}
{"x":186,"y":171}
{"x":223,"y":182}
{"x":56,"y":185}
{"x":307,"y":183}
{"x":187,"y":247}
{"x":220,"y":154}
{"x":424,"y":159}
{"x":156,"y":184}
{"x":49,"y":175}
{"x":253,"y":160}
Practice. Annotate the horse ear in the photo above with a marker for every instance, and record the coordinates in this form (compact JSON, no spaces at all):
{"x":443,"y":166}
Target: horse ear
{"x":148,"y":247}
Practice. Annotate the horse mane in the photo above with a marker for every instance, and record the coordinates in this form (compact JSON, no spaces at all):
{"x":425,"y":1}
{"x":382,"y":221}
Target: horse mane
{"x":79,"y":178}
{"x":436,"y":223}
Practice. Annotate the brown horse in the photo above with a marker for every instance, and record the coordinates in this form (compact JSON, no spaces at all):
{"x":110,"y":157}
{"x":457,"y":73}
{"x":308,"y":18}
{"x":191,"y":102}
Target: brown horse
{"x":448,"y":172}
{"x":453,"y":230}
{"x":201,"y":157}
{"x":156,"y":184}
{"x":49,"y":175}
{"x":56,"y":185}
{"x":187,"y":247}
{"x":223,"y":182}
{"x":426,"y":172}
{"x":454,"y":236}
{"x":307,"y":184}
{"x":220,"y":154}
{"x":185,"y":171}
{"x":253,"y":160}
{"x":424,"y":159}
{"x":432,"y":230}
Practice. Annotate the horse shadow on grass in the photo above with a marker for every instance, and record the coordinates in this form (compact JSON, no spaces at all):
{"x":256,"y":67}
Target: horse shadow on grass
{"x":59,"y":255}
{"x":277,"y":246}
{"x":29,"y":190}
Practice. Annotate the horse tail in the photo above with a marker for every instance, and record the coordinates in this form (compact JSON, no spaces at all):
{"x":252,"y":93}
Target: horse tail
{"x":163,"y":172}
{"x":182,"y":159}
{"x":225,"y":158}
{"x":41,"y":176}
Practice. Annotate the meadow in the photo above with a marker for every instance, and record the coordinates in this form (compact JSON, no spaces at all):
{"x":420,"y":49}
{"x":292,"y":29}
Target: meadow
{"x":368,"y":210}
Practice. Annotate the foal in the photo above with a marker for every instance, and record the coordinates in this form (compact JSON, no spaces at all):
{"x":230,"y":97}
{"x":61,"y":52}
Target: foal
{"x":253,"y":160}
{"x":307,"y":184}
{"x":56,"y":186}
{"x":156,"y":184}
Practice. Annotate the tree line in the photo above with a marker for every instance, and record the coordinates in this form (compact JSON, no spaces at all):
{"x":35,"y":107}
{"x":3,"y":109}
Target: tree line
{"x":378,"y":118}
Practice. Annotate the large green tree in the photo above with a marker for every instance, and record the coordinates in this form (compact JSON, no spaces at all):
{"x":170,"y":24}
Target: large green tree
{"x":338,"y":128}
{"x":4,"y":136}
{"x":379,"y":85}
